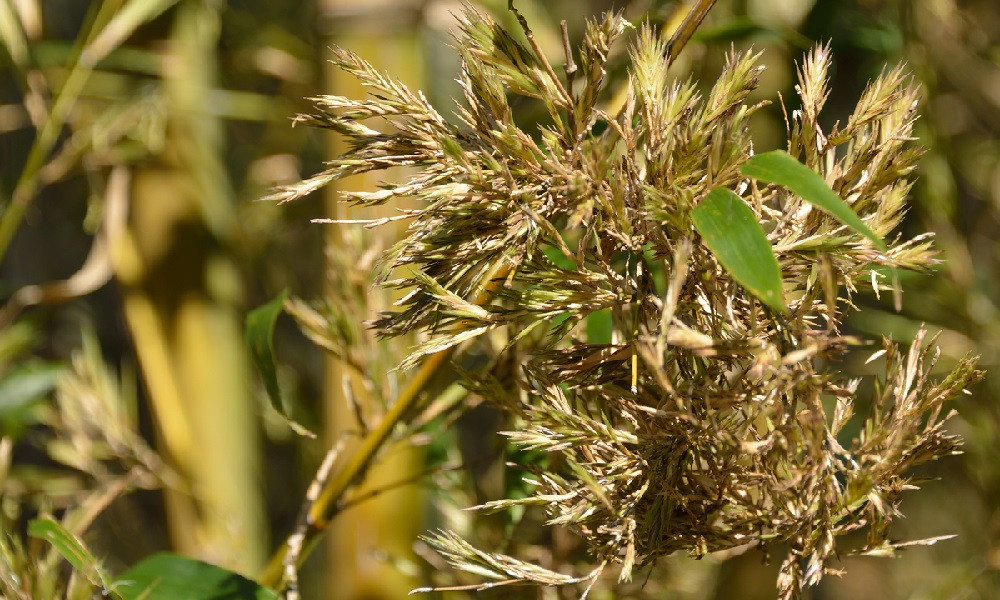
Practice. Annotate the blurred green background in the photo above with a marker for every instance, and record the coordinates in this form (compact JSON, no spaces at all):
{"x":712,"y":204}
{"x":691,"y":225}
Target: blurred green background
{"x":141,"y":134}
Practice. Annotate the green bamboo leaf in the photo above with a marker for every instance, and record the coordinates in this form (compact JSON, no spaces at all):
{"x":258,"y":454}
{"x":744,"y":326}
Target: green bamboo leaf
{"x":25,"y":384}
{"x":12,"y":35}
{"x":732,"y":232}
{"x":600,"y":327}
{"x":132,"y":16}
{"x":69,"y":547}
{"x":780,"y":168}
{"x":558,"y":258}
{"x":260,"y":337}
{"x":23,"y":389}
{"x":167,"y":576}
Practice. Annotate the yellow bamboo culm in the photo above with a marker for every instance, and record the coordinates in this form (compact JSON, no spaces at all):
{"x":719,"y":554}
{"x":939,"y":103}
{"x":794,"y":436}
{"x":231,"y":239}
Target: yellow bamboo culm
{"x":365,"y":551}
{"x":182,"y":300}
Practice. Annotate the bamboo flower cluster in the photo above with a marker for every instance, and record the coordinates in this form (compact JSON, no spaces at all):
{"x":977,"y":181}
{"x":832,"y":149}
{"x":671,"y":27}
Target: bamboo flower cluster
{"x":707,"y":421}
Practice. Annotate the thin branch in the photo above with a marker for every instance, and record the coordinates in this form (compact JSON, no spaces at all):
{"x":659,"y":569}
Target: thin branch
{"x":571,"y":69}
{"x":329,"y":502}
{"x":290,"y":581}
{"x":566,"y":97}
{"x":678,"y":40}
{"x":568,"y":50}
{"x":376,"y":492}
{"x":691,"y":23}
{"x":47,"y":138}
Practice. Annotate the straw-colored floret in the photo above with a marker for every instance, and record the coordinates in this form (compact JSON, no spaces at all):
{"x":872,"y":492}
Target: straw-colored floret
{"x":707,"y":422}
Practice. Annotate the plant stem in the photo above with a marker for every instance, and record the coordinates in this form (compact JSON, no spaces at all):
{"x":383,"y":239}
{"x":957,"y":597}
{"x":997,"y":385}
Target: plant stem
{"x":691,"y":23}
{"x":329,"y":501}
{"x":27,"y":182}
{"x":679,"y":38}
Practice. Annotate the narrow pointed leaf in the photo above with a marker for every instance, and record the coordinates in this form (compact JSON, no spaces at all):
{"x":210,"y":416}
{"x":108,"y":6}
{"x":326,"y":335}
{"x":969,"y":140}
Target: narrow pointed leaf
{"x":132,"y":16}
{"x":780,"y":168}
{"x":70,"y":548}
{"x":167,"y":576}
{"x":260,"y":333}
{"x":732,"y":233}
{"x":12,"y":35}
{"x":22,"y":392}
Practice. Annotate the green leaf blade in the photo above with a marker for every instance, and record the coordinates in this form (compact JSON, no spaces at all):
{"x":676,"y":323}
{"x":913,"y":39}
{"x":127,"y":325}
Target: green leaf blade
{"x":780,"y":168}
{"x":260,"y":338}
{"x":731,"y":231}
{"x":600,"y":327}
{"x":131,"y":16}
{"x":22,"y":392}
{"x":166,"y":576}
{"x":70,"y":548}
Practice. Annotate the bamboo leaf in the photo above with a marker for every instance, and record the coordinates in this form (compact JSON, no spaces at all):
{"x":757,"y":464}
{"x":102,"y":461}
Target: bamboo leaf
{"x":25,"y":384}
{"x":69,"y":547}
{"x":63,"y":541}
{"x":558,"y":258}
{"x":732,"y":232}
{"x":22,"y":393}
{"x":260,"y":337}
{"x":12,"y":35}
{"x":132,"y":16}
{"x":780,"y":168}
{"x":167,"y":576}
{"x":600,"y":327}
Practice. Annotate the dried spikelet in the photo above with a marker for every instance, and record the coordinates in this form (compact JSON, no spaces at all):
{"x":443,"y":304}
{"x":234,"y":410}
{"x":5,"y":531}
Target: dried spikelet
{"x":96,"y":425}
{"x":597,"y":41}
{"x":700,"y":426}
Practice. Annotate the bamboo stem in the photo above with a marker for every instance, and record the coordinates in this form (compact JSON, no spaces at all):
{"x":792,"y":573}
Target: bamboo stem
{"x":385,"y":32}
{"x":182,"y":303}
{"x":692,"y":21}
{"x":679,"y":37}
{"x":328,"y":503}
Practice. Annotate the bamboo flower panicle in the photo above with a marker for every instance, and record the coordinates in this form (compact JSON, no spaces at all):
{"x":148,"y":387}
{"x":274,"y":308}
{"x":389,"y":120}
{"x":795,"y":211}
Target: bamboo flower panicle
{"x":707,"y":421}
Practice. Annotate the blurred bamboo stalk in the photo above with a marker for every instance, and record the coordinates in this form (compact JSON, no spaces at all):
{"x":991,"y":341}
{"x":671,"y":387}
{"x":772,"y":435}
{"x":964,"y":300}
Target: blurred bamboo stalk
{"x":182,"y":303}
{"x":365,"y":551}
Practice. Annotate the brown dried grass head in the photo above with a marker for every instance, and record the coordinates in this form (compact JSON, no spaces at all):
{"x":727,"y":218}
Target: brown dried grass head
{"x":706,"y":422}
